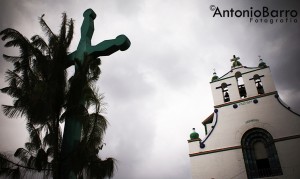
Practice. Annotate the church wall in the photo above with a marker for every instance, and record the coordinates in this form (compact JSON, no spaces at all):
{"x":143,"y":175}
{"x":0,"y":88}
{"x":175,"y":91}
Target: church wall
{"x":230,"y":164}
{"x":232,"y":123}
{"x":194,"y":147}
{"x":289,"y":156}
{"x":267,"y":81}
{"x":232,"y":91}
{"x":217,"y":93}
{"x":267,"y":114}
{"x":221,"y":165}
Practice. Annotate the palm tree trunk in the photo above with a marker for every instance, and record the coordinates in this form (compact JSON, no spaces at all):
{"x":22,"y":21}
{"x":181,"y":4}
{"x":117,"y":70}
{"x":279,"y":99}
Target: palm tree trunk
{"x":56,"y":161}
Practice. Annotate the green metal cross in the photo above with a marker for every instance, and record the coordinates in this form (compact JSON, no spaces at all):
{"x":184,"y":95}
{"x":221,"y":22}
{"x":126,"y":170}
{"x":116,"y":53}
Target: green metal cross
{"x":235,"y":61}
{"x":73,"y":126}
{"x":105,"y":48}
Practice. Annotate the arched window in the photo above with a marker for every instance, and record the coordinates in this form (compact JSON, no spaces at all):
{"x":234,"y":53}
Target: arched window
{"x":260,"y":154}
{"x":225,"y":92}
{"x":258,"y":84}
{"x":240,"y":83}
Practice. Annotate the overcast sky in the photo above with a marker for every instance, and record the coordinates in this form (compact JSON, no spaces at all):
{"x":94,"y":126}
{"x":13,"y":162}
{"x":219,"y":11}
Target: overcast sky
{"x":158,"y":89}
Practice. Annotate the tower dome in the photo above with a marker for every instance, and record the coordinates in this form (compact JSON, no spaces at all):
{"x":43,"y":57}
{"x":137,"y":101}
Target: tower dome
{"x":215,"y":77}
{"x":194,"y":135}
{"x":261,"y":64}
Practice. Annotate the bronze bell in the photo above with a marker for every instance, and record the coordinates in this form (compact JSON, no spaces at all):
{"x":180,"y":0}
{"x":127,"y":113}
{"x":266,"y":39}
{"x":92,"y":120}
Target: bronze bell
{"x":226,"y":95}
{"x":260,"y":89}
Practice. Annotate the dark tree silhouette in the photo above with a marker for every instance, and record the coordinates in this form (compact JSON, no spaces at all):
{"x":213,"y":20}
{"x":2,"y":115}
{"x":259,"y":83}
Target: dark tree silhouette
{"x":43,"y":95}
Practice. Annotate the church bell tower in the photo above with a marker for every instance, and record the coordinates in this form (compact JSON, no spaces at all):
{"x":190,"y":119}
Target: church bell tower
{"x":251,"y":132}
{"x":241,"y":83}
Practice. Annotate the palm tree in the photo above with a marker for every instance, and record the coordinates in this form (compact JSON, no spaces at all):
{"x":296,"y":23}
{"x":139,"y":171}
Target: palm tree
{"x":44,"y":97}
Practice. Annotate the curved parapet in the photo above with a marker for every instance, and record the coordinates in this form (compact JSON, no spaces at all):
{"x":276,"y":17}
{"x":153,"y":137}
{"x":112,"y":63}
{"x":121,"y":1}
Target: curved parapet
{"x":284,"y":105}
{"x":201,"y":143}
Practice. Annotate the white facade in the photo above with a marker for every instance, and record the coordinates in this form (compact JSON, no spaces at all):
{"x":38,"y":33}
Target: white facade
{"x":222,"y":153}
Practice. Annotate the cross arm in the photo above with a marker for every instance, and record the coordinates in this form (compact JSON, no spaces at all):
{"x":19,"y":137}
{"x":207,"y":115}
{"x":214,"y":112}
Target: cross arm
{"x":108,"y":47}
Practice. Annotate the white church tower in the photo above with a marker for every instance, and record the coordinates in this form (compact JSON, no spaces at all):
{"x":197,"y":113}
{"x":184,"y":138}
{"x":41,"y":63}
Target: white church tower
{"x":251,"y":133}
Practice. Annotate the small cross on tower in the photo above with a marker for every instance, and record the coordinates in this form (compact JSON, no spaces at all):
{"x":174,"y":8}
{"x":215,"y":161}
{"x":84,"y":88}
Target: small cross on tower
{"x":260,"y":59}
{"x":235,"y":62}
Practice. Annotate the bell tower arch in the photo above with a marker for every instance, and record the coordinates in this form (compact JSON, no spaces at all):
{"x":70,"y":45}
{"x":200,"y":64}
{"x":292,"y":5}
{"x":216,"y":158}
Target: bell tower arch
{"x":241,"y":82}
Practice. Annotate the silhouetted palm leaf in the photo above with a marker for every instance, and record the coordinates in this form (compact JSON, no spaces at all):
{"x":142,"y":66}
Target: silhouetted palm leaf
{"x":101,"y":168}
{"x":39,"y":43}
{"x":12,"y":59}
{"x":14,"y":173}
{"x":47,"y":30}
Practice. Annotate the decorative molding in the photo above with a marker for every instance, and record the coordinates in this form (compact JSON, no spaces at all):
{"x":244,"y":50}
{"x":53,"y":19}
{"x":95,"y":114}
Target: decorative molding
{"x":201,"y":144}
{"x":245,"y":99}
{"x":258,"y":75}
{"x":252,"y":120}
{"x":193,"y":140}
{"x":239,"y":146}
{"x":284,"y":105}
{"x":221,"y":78}
{"x":287,"y":138}
{"x":215,"y":151}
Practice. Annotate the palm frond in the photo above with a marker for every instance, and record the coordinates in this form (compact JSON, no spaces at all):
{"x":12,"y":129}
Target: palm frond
{"x":41,"y":160}
{"x":13,"y":78}
{"x":31,"y":147}
{"x":22,"y":154}
{"x":62,"y":34}
{"x":34,"y":134}
{"x":13,"y":111}
{"x":17,"y":40}
{"x":12,"y":91}
{"x":47,"y":30}
{"x":13,"y":34}
{"x":15,"y":43}
{"x":12,"y":59}
{"x":9,"y":168}
{"x":4,"y":163}
{"x":101,"y":168}
{"x":50,"y":152}
{"x":90,"y":96}
{"x":95,"y":71}
{"x":31,"y":161}
{"x":39,"y":42}
{"x":48,"y":139}
{"x":70,"y":33}
{"x":94,"y":128}
{"x":14,"y":173}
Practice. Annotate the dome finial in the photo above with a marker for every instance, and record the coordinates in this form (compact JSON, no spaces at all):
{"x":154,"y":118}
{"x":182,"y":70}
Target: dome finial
{"x":260,"y":59}
{"x":261,"y":64}
{"x":215,"y":77}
